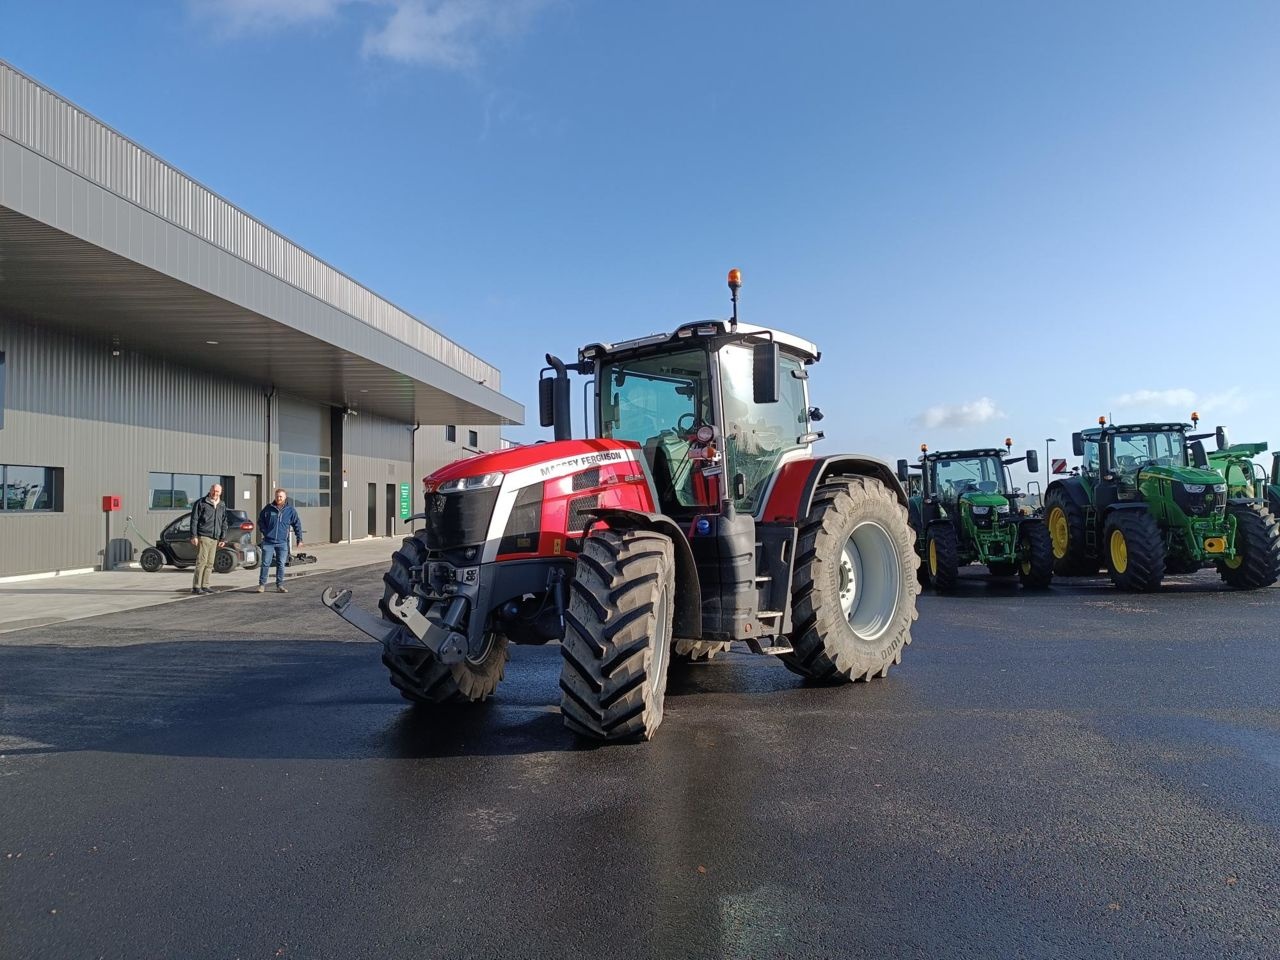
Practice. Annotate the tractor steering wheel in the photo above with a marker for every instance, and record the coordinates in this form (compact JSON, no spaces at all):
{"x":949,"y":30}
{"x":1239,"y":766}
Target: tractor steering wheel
{"x":693,"y":422}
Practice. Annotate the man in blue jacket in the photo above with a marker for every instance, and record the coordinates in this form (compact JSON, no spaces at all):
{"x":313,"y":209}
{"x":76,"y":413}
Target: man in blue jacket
{"x":273,"y":524}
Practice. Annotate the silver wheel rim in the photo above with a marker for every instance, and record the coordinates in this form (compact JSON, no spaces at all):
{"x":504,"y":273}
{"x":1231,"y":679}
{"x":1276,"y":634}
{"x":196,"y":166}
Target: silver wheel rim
{"x":661,"y":643}
{"x":869,"y":580}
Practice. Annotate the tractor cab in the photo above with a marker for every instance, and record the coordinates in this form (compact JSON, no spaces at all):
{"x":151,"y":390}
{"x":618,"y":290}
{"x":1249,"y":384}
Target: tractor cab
{"x":716,"y":407}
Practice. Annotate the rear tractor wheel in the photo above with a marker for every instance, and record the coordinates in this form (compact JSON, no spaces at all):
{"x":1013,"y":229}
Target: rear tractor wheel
{"x":698,"y":651}
{"x":854,"y":590}
{"x":1135,"y":550}
{"x":1257,"y":560}
{"x":1035,"y":555}
{"x":1065,"y":520}
{"x":417,"y":673}
{"x":617,"y":638}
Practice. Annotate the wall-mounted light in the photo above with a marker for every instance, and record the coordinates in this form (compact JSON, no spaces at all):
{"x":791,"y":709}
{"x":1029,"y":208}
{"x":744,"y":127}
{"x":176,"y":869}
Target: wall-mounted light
{"x":115,"y":346}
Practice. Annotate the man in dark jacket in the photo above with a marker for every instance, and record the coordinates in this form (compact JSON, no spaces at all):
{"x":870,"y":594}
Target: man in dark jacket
{"x":208,"y":533}
{"x":274,"y":523}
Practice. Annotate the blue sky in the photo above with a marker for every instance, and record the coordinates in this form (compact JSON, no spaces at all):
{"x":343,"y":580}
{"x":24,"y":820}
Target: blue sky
{"x":995,"y":219}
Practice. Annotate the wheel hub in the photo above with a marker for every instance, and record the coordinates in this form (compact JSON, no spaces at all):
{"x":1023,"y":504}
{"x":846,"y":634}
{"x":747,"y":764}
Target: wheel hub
{"x":869,"y":580}
{"x":1119,"y":552}
{"x":1058,"y":532}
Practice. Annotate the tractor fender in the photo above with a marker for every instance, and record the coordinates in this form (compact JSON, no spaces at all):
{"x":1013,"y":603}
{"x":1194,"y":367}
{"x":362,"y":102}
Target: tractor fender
{"x":791,"y":494}
{"x":688,"y":597}
{"x":1126,"y":506}
{"x":1073,"y":488}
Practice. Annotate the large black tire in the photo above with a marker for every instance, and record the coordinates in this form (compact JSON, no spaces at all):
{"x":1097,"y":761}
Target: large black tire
{"x":151,"y":559}
{"x":224,"y":561}
{"x":1258,"y":548}
{"x":1035,"y":549}
{"x":417,"y":673}
{"x":851,"y":626}
{"x":1134,"y":549}
{"x":697,"y":651}
{"x":1064,"y":520}
{"x":942,"y":557}
{"x":618,"y":635}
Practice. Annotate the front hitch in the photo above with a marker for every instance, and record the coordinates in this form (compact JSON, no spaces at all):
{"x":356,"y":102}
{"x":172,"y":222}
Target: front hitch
{"x":441,"y":637}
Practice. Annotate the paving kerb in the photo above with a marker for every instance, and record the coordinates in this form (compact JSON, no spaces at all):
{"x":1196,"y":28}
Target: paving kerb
{"x":32,"y":603}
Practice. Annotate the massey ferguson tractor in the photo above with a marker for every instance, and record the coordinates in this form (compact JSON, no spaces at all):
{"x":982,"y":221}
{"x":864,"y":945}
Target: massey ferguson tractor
{"x":697,"y":516}
{"x":1146,"y":503}
{"x":967,"y":512}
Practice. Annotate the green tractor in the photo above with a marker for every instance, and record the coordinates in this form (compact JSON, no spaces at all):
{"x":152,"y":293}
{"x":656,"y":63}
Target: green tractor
{"x":1146,"y":503}
{"x":1245,"y":478}
{"x":965,"y":510}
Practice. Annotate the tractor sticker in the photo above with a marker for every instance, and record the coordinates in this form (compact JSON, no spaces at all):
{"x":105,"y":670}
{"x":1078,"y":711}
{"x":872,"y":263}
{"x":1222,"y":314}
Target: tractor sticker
{"x":586,"y":460}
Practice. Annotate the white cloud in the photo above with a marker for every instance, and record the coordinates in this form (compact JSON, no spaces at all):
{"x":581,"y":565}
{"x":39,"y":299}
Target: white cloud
{"x":447,"y":34}
{"x":982,"y":410}
{"x":1176,"y":397}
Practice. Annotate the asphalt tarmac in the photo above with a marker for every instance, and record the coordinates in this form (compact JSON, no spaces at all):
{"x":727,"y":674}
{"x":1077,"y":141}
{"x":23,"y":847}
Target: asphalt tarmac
{"x":1073,"y":774}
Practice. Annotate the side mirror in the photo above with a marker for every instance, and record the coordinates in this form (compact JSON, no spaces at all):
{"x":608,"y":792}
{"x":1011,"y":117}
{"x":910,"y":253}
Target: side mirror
{"x":1198,"y":457}
{"x":815,"y":414}
{"x":546,"y":402}
{"x":764,"y":372}
{"x":1033,"y":461}
{"x":1221,"y":439}
{"x":903,"y":468}
{"x":1077,"y":444}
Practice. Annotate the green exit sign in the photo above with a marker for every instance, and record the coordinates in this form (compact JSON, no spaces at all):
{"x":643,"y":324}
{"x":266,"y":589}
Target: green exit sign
{"x":406,"y":502}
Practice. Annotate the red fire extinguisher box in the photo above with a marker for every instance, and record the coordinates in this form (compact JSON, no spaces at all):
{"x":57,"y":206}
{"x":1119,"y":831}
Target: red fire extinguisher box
{"x":110,"y":502}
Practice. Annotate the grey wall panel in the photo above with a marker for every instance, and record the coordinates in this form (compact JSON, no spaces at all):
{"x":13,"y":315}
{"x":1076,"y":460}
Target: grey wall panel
{"x":304,"y":427}
{"x":107,"y":422}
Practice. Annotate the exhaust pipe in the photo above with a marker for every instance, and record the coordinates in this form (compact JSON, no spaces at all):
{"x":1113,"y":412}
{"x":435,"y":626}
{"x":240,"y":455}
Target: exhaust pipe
{"x":553,"y":400}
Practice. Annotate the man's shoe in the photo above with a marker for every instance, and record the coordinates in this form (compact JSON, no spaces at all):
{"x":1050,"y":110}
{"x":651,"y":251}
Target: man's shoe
{"x":280,"y":588}
{"x":262,"y":588}
{"x":195,"y":590}
{"x":206,"y":590}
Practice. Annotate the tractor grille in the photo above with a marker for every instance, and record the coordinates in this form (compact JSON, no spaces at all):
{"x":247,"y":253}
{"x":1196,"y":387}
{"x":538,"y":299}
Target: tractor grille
{"x":984,"y":521}
{"x":578,"y":518}
{"x":1206,"y":504}
{"x":459,"y":519}
{"x":585,"y":480}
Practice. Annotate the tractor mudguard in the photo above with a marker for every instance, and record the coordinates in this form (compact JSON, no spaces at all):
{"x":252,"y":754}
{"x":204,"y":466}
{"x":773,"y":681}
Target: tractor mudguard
{"x":1073,"y":487}
{"x":1131,"y":506}
{"x":791,"y":496}
{"x":688,"y":612}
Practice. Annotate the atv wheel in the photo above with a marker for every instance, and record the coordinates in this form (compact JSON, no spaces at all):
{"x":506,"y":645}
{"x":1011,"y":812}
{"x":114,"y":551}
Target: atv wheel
{"x":854,"y":591}
{"x":151,"y":560}
{"x":697,"y":651}
{"x":416,"y":672}
{"x":1257,"y":563}
{"x":1035,"y":549}
{"x":942,"y":557}
{"x":617,"y":638}
{"x":225,"y":561}
{"x":1065,"y":521}
{"x":1135,"y":550}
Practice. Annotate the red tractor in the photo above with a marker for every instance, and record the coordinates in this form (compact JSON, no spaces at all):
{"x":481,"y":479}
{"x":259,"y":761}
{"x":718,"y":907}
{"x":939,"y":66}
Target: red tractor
{"x":697,"y":516}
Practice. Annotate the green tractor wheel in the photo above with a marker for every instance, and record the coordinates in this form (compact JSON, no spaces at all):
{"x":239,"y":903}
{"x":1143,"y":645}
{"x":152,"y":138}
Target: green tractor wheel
{"x":1134,"y":549}
{"x":1035,"y":552}
{"x":1257,"y":563}
{"x":1065,"y":522}
{"x":942,"y":557}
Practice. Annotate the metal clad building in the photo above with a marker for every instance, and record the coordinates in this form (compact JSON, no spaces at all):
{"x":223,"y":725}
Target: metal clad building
{"x":151,"y":333}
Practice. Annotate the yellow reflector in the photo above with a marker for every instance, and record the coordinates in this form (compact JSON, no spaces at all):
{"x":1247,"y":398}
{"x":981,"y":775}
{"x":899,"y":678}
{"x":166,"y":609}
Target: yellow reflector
{"x":1215,"y":545}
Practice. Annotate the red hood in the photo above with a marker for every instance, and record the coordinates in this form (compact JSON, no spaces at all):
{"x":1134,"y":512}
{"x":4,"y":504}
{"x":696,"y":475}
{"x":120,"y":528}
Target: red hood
{"x":514,"y":458}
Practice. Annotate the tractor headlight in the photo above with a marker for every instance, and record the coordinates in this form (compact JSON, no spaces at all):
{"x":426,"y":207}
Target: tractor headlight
{"x":1193,"y":487}
{"x":981,"y":511}
{"x":1219,"y":488}
{"x":1003,"y":508}
{"x":482,"y":482}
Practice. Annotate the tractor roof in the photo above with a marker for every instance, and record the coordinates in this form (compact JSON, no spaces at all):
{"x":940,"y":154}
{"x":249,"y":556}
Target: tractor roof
{"x":1112,"y":429}
{"x":703,"y":330}
{"x":962,"y":454}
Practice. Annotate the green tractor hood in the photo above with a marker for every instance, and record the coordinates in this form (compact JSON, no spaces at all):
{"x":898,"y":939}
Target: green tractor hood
{"x":1182,"y":475}
{"x":984,"y":500}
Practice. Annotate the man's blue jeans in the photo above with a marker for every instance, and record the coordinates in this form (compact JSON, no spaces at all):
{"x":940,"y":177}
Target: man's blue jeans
{"x":279,"y":552}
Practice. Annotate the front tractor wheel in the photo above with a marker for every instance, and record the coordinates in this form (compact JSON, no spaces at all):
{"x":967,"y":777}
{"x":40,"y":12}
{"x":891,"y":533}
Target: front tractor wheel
{"x":1035,"y":556}
{"x":1257,"y":560}
{"x":942,"y":557}
{"x":1134,"y":550}
{"x":854,"y":590}
{"x":416,"y":672}
{"x":617,"y":638}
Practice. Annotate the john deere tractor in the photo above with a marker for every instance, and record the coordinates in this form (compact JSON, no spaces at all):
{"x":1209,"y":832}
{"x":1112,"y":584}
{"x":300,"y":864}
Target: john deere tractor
{"x":1146,"y":503}
{"x":1245,"y":478}
{"x":966,"y":512}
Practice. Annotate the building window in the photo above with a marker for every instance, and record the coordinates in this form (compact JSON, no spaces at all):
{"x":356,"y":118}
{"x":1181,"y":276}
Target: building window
{"x":451,"y":434}
{"x":305,"y":477}
{"x":30,"y":489}
{"x":178,"y":491}
{"x":473,"y":438}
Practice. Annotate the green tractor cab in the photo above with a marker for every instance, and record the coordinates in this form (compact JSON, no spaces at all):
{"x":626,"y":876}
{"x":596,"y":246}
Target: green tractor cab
{"x":964,"y":509}
{"x":1148,"y":503}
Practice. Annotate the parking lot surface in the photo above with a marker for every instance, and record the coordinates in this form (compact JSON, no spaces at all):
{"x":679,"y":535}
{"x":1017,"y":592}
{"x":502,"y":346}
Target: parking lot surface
{"x":1074,"y":774}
